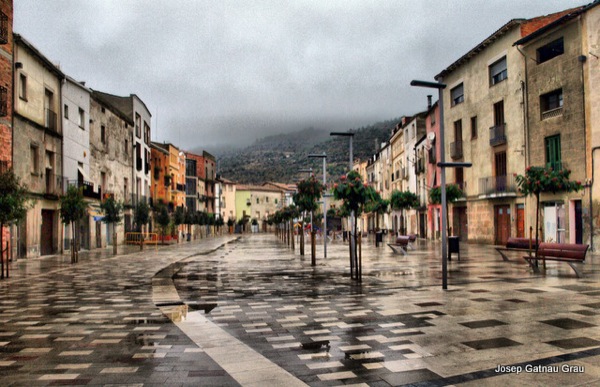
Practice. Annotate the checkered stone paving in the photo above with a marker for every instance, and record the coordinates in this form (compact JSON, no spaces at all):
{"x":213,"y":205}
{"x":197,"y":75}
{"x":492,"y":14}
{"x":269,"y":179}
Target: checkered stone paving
{"x":397,"y":327}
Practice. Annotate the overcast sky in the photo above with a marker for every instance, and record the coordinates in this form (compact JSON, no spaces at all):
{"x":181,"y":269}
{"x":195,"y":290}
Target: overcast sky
{"x":219,"y":72}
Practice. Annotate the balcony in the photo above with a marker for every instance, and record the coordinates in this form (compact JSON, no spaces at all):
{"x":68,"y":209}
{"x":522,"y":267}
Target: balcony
{"x":180,"y":187}
{"x":431,"y":155}
{"x":552,"y":113}
{"x":420,"y":166}
{"x":556,"y":165}
{"x":498,"y":135}
{"x":456,"y":150}
{"x":498,"y":186}
{"x":55,"y":185}
{"x":51,"y":122}
{"x":87,"y":188}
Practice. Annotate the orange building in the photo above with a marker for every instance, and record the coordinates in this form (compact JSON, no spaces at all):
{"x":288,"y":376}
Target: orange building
{"x":168,"y":175}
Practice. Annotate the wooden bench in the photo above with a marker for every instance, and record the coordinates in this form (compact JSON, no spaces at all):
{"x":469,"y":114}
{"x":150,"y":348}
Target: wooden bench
{"x":516,"y":244}
{"x":570,"y":253}
{"x":401,"y":245}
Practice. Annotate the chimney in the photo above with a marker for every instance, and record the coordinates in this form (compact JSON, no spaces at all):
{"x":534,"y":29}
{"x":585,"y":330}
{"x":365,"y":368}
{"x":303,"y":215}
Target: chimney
{"x":428,"y":102}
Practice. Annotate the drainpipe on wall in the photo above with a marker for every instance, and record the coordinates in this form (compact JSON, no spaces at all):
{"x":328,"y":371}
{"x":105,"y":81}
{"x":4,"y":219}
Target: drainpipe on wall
{"x":525,"y":103}
{"x":591,"y":184}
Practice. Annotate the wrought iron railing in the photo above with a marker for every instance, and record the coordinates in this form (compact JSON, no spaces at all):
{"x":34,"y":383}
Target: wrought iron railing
{"x":456,"y":149}
{"x":497,"y":185}
{"x":498,"y":135}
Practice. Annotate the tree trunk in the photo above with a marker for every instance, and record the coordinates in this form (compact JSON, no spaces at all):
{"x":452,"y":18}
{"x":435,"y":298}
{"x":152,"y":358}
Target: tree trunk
{"x":301,"y":238}
{"x":114,"y":239}
{"x":72,"y":243}
{"x":355,"y":238}
{"x":313,"y":252}
{"x":537,"y":225}
{"x":2,"y":253}
{"x":291,"y":234}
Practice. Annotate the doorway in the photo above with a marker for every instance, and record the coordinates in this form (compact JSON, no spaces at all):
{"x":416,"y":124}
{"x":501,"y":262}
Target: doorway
{"x":501,"y":224}
{"x":47,"y":235}
{"x":520,"y":221}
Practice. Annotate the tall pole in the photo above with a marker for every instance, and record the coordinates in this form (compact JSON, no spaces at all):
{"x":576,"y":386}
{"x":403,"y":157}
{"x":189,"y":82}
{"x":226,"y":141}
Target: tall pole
{"x":441,"y":86}
{"x":324,"y":207}
{"x":443,"y":189}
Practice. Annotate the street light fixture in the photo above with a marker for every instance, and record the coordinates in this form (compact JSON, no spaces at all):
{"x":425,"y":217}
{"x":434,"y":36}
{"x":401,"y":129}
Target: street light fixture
{"x":324,"y":157}
{"x":440,"y":87}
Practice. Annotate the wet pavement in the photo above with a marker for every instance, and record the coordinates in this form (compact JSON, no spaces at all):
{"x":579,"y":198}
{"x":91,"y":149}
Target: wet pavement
{"x":250,"y":311}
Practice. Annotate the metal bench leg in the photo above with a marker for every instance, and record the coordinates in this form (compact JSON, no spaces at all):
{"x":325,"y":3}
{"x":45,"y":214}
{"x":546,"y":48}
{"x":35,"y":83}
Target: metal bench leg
{"x":397,"y":249}
{"x":575,"y":269}
{"x":504,"y":257}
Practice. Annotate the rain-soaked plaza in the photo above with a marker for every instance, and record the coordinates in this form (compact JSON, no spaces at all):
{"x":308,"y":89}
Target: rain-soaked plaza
{"x":250,"y":311}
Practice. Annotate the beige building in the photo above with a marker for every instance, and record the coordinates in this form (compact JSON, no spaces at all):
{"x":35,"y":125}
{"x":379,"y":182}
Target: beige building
{"x":37,"y":148}
{"x":227,"y":199}
{"x":483,"y":121}
{"x":556,"y":59}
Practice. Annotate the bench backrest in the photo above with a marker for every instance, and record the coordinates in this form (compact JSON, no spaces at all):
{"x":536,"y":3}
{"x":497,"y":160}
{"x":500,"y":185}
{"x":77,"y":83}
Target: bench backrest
{"x":519,"y":243}
{"x":563,"y":250}
{"x":402,"y":240}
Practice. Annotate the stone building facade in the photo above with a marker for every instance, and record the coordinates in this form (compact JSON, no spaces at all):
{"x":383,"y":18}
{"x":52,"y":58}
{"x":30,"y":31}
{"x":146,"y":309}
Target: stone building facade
{"x":111,"y":162}
{"x":37,"y":147}
{"x":6,"y":99}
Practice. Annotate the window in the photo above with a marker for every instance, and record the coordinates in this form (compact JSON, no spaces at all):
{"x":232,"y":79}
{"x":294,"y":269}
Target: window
{"x":103,"y":180}
{"x":126,"y":146}
{"x":146,"y":133}
{"x":551,"y":103}
{"x":275,"y":201}
{"x":457,"y":94}
{"x":138,"y":123}
{"x":81,"y":118}
{"x":267,"y":199}
{"x":499,"y":113}
{"x":473,"y":127}
{"x":3,"y":28}
{"x":35,"y":161}
{"x":103,"y":134}
{"x":458,"y":130}
{"x":256,"y":200}
{"x":66,"y":114}
{"x":553,"y":158}
{"x":3,"y":101}
{"x":23,"y":87}
{"x":550,"y":50}
{"x":498,"y":71}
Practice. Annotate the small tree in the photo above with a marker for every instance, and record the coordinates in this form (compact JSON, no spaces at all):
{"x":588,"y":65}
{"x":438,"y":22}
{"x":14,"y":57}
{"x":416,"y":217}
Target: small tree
{"x":72,"y":208}
{"x":112,"y":215}
{"x":453,"y":193}
{"x":544,"y":179}
{"x":354,"y":194}
{"x":403,"y":200}
{"x":141,"y":217}
{"x":230,"y":224}
{"x":163,"y":219}
{"x":14,"y":204}
{"x":309,"y":192}
{"x":188,"y":221}
{"x":376,"y":205}
{"x":178,"y":219}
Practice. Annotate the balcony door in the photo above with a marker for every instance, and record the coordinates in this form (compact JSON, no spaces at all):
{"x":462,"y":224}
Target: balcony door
{"x":500,"y":171}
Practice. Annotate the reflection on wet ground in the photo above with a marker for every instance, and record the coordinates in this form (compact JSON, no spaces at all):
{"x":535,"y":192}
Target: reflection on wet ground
{"x":397,"y":326}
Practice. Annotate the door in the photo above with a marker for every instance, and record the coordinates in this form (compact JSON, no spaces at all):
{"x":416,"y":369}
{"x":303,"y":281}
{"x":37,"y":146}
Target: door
{"x":98,"y":234}
{"x":47,"y":237}
{"x":423,"y":225}
{"x":462,"y":225}
{"x":578,"y":223}
{"x":502,"y":224}
{"x":520,"y":221}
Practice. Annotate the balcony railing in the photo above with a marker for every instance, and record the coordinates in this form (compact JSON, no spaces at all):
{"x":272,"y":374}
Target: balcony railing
{"x":180,"y":187}
{"x":55,"y":185}
{"x":556,"y":165}
{"x":552,"y":113}
{"x":497,"y":185}
{"x":420,"y":166}
{"x":498,"y":135}
{"x":431,"y":155}
{"x":456,"y":149}
{"x":88,"y":188}
{"x":51,"y":120}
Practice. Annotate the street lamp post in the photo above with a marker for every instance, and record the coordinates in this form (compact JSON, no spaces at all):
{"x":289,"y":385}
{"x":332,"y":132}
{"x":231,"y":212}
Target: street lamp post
{"x":352,"y":220}
{"x":324,"y":157}
{"x":440,"y":87}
